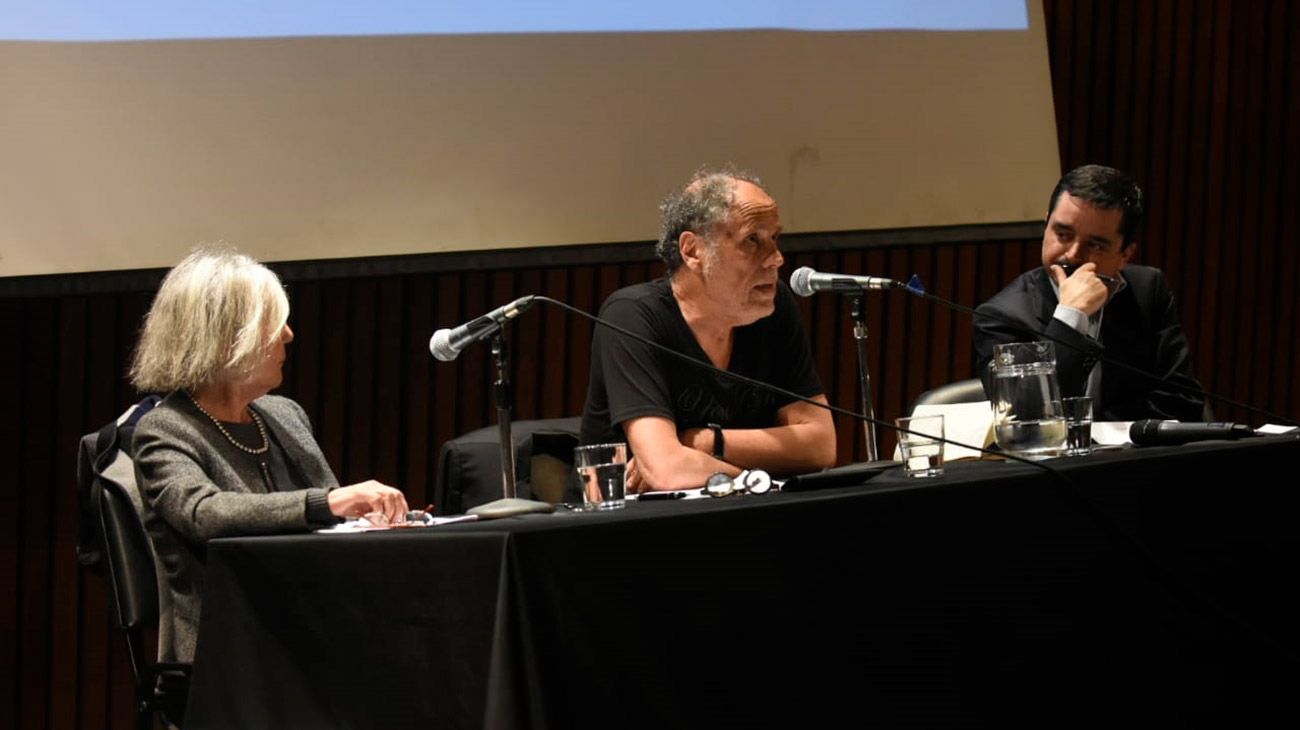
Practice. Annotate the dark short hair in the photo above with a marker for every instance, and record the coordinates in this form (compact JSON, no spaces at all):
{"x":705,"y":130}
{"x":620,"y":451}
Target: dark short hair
{"x":699,"y":206}
{"x":1108,"y":189}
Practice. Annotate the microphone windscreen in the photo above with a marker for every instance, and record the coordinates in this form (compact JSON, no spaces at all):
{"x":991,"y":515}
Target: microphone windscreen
{"x":799,"y":281}
{"x":440,"y":346}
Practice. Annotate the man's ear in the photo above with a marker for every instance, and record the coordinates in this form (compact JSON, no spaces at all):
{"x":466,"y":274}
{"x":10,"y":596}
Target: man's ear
{"x":691,"y":247}
{"x":1126,"y":252}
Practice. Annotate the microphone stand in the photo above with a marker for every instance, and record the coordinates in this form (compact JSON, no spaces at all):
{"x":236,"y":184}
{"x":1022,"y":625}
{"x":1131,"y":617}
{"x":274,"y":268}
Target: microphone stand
{"x":859,"y":310}
{"x":509,"y":504}
{"x":504,"y":398}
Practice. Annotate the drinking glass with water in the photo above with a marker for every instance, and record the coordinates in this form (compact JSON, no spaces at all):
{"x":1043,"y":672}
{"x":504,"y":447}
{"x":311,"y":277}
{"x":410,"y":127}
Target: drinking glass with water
{"x":921,"y":445}
{"x":603,"y":471}
{"x":1078,"y":419}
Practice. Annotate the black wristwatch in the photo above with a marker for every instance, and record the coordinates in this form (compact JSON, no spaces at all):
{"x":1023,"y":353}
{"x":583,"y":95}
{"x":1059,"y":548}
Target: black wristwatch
{"x":719,"y":448}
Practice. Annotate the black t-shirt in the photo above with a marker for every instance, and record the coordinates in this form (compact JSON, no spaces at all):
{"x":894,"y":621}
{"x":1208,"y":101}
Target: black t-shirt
{"x":630,"y":379}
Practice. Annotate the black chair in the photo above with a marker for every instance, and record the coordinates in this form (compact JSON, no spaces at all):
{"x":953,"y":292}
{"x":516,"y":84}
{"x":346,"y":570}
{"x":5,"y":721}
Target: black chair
{"x":113,"y":543}
{"x":133,"y":590}
{"x":469,"y":466}
{"x":962,"y":391}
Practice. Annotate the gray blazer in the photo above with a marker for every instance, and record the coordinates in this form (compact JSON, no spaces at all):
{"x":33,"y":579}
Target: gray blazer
{"x":196,"y":486}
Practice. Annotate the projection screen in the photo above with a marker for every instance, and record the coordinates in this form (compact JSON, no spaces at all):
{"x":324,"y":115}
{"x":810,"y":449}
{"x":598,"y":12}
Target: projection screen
{"x":350,"y":138}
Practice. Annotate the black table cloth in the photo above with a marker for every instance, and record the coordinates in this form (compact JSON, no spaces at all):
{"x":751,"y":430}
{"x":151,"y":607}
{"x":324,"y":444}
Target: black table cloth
{"x":1155,"y":586}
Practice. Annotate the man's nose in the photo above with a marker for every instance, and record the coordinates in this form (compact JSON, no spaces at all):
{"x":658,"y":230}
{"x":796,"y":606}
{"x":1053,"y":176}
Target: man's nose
{"x":1075,"y":254}
{"x":774,"y":259}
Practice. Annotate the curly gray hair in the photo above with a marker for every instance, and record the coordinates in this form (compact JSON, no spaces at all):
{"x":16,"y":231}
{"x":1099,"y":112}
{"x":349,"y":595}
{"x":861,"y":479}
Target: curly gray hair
{"x":699,"y":206}
{"x":215,"y":315}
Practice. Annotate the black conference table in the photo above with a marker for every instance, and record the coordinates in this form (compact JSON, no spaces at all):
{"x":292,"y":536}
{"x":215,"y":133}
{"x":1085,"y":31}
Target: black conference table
{"x":1156,"y":586}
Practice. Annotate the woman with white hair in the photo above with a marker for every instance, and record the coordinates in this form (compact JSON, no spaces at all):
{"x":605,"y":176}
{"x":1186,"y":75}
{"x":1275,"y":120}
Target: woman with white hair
{"x":218,"y":456}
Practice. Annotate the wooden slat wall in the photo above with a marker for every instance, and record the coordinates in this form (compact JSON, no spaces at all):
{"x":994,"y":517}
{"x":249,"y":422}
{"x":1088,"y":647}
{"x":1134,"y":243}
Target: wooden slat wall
{"x":1199,"y":100}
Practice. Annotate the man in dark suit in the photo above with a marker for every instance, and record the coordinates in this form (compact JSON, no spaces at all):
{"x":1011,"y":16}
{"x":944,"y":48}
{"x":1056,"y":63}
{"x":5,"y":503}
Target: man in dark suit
{"x":1093,"y":303}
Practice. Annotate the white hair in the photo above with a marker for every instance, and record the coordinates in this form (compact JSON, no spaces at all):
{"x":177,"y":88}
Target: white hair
{"x":215,"y":315}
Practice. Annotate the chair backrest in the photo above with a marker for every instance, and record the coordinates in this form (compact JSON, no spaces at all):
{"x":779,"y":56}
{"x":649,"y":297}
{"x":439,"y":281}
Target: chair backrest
{"x":105,"y":455}
{"x":962,"y":391}
{"x":469,"y":466}
{"x":129,"y":560}
{"x":111,"y":538}
{"x":112,"y":541}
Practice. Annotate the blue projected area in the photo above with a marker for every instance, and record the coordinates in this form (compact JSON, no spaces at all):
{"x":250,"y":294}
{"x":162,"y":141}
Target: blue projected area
{"x":106,"y":20}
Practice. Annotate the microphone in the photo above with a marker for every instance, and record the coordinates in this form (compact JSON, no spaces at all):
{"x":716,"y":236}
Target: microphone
{"x":804,"y":281}
{"x":1155,"y":432}
{"x":446,"y":344}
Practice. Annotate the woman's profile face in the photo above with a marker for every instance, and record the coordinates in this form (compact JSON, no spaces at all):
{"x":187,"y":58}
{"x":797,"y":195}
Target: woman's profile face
{"x":269,"y":372}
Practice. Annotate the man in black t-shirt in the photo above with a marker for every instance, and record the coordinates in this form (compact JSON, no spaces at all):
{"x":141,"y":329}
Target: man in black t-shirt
{"x":720,"y":303}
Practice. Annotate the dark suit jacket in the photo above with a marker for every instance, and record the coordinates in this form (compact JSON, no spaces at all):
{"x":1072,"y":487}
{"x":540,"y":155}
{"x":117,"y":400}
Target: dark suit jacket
{"x":1140,"y":328}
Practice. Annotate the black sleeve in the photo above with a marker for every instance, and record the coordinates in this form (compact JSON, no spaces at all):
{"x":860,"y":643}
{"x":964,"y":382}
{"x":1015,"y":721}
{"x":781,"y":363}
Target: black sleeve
{"x":1179,"y":394}
{"x":795,"y":351}
{"x":635,"y":382}
{"x":995,"y":325}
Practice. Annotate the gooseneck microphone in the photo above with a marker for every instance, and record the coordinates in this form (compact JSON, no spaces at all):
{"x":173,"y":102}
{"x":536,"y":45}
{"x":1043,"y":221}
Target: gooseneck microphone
{"x":1155,"y":432}
{"x":804,"y":281}
{"x":446,"y":344}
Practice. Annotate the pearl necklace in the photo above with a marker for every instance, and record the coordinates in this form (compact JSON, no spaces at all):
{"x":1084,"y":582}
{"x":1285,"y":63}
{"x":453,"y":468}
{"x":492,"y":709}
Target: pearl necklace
{"x":261,"y":428}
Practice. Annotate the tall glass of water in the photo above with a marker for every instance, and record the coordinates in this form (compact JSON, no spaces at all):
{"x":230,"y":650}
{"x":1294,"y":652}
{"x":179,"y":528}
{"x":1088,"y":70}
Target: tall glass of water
{"x":603,"y":471}
{"x":1078,"y":422}
{"x":1027,"y":417}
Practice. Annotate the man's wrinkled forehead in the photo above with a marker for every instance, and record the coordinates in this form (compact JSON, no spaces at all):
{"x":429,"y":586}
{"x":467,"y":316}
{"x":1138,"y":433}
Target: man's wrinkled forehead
{"x":757,"y":214}
{"x":752,"y":207}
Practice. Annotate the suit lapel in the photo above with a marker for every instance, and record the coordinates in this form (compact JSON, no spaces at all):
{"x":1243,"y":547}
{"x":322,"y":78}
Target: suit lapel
{"x":1042,"y":298}
{"x":1117,"y":330}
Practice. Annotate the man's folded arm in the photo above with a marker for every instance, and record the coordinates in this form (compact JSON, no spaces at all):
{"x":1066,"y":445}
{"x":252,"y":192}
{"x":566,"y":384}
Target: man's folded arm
{"x":1076,"y":353}
{"x":663,"y":461}
{"x":803,"y":440}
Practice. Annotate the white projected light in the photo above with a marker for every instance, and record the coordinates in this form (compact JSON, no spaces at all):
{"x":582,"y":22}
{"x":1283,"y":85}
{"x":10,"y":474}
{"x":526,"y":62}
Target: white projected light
{"x":96,"y":20}
{"x":328,"y":130}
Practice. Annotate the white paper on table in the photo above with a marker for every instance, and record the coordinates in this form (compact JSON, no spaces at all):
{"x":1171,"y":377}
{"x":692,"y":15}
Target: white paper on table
{"x":1111,"y":433}
{"x":967,"y":423}
{"x":358,"y":524}
{"x":1272,"y":429}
